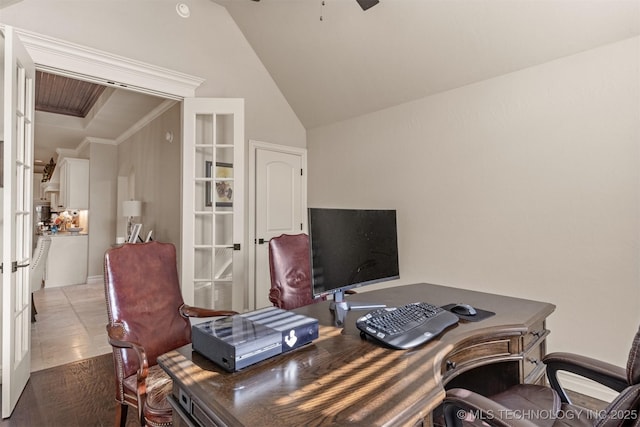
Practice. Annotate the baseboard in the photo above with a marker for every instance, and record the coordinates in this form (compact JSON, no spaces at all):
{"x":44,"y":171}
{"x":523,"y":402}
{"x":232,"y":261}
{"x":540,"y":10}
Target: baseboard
{"x":93,"y":280}
{"x":587,"y":387}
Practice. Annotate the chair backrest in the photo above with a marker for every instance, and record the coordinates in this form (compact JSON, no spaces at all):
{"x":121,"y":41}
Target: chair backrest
{"x":290,"y":269}
{"x":633,"y":362}
{"x":142,"y":290}
{"x":38,"y":262}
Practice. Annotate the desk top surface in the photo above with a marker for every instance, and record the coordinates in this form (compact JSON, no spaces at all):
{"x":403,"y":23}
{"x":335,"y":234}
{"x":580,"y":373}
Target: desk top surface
{"x":343,"y":379}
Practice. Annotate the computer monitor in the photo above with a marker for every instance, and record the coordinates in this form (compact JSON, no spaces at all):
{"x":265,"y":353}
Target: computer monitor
{"x":351,"y":248}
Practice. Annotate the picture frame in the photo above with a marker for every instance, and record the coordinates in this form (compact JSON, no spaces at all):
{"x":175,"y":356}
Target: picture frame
{"x":223,"y":194}
{"x":135,"y":232}
{"x":224,"y":187}
{"x":208,"y":195}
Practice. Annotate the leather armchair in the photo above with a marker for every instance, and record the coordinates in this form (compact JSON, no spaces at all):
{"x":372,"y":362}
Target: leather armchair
{"x":147,"y":317}
{"x":528,"y":404}
{"x":290,"y":270}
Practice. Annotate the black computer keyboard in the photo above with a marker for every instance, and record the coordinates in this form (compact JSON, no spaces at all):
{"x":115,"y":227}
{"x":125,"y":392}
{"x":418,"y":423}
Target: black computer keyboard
{"x":406,"y":326}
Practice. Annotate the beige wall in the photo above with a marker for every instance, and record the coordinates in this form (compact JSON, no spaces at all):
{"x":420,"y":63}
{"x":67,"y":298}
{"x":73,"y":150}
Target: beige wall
{"x":103,"y":162}
{"x":526,"y":185}
{"x":155,"y":164}
{"x":208,"y":45}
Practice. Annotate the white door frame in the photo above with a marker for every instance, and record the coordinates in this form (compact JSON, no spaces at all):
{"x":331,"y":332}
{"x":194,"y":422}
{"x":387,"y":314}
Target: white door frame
{"x":252,"y":214}
{"x":84,"y":63}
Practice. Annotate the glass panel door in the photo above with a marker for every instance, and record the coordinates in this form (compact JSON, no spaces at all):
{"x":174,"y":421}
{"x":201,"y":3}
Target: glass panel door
{"x":213,"y":265}
{"x":18,"y":82}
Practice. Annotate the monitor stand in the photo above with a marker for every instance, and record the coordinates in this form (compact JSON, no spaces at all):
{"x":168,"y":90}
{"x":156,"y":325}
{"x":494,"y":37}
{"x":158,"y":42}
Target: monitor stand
{"x":340,"y":307}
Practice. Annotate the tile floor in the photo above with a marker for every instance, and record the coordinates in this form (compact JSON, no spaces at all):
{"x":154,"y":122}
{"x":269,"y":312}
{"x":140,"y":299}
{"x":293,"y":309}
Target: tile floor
{"x":69,"y":326}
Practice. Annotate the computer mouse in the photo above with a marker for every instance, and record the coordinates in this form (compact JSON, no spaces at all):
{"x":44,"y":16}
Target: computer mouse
{"x":464,"y":309}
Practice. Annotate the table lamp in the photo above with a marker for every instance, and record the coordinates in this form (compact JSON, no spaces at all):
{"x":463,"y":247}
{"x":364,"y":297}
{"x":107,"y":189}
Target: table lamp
{"x":131,"y":208}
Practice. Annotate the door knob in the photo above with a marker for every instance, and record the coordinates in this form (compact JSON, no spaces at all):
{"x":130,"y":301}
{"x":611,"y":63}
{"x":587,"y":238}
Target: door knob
{"x":15,"y":266}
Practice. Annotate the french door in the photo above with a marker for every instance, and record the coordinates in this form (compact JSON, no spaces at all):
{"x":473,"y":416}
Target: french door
{"x":17,"y":175}
{"x":213,"y":240}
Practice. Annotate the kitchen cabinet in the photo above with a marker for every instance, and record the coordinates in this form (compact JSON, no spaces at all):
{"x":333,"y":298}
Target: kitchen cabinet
{"x":67,"y":260}
{"x":74,"y":184}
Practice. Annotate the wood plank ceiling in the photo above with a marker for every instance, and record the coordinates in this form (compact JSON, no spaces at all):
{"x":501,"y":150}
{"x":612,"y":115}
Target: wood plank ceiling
{"x":62,"y":95}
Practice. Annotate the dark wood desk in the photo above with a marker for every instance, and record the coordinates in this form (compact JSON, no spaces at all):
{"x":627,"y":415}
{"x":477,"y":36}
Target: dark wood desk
{"x":341,"y":379}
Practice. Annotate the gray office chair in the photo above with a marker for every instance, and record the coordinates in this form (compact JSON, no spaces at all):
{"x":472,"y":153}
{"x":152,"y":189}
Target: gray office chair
{"x":38,"y":263}
{"x":529,"y":405}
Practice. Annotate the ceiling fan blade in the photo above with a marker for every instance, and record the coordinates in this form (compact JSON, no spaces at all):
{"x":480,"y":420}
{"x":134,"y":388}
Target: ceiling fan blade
{"x":366,"y":4}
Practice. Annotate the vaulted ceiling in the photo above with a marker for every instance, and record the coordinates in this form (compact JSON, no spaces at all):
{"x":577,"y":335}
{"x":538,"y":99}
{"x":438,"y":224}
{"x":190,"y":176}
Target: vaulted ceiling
{"x":334,"y":61}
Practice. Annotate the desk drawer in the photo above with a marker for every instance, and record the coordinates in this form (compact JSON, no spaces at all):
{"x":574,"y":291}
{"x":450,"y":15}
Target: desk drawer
{"x":532,"y":362}
{"x":477,"y":354}
{"x":188,"y":412}
{"x":536,"y":333}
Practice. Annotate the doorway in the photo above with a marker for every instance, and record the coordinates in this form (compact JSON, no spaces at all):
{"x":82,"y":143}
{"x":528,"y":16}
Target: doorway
{"x":65,"y":59}
{"x":277,"y":204}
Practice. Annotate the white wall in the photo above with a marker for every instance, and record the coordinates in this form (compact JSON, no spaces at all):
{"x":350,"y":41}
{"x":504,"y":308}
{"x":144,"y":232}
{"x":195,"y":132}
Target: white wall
{"x":525,"y":185}
{"x":208,"y":45}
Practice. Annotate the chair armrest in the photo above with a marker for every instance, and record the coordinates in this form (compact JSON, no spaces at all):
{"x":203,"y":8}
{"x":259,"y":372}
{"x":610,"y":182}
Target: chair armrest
{"x":116,"y":333}
{"x":603,"y":373}
{"x":274,"y":296}
{"x":479,"y":407}
{"x":189,"y":311}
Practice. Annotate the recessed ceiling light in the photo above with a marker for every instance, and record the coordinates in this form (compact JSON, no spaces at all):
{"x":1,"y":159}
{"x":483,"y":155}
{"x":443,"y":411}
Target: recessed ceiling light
{"x":183,"y":10}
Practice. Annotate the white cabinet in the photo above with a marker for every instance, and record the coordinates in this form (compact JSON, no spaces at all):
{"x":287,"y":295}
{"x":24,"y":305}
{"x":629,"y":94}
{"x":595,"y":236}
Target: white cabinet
{"x":67,"y":260}
{"x":74,"y":184}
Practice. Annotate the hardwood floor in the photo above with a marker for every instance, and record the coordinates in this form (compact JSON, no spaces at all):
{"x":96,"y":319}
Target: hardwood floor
{"x":77,"y":394}
{"x":72,"y":382}
{"x":82,"y":394}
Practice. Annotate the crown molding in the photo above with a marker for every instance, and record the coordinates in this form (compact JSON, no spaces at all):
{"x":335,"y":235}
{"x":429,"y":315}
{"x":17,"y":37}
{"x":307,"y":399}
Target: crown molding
{"x":60,"y":57}
{"x":92,"y":140}
{"x":140,"y":124}
{"x":152,"y":115}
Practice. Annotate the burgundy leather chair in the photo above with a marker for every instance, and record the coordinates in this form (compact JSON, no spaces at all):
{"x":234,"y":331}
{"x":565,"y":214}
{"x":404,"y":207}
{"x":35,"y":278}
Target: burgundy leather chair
{"x":290,"y":270}
{"x":147,"y":317}
{"x":529,"y":404}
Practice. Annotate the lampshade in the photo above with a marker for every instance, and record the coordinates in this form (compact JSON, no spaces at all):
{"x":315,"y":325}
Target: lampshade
{"x":131,"y":208}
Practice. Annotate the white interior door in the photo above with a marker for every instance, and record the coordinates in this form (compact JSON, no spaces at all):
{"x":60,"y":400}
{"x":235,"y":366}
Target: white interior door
{"x":18,"y":113}
{"x":280,"y":205}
